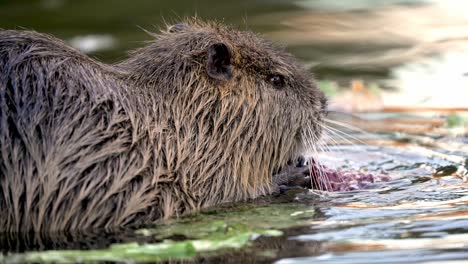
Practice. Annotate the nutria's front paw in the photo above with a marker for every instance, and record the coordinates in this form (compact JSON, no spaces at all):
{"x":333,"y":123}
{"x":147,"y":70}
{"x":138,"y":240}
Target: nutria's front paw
{"x":296,"y":175}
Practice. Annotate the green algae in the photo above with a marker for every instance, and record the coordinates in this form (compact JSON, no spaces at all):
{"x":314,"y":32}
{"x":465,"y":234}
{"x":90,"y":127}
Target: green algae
{"x":210,"y":232}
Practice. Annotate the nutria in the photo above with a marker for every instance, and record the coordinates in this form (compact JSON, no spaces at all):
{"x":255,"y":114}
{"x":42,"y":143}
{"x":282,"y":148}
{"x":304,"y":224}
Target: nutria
{"x":204,"y":114}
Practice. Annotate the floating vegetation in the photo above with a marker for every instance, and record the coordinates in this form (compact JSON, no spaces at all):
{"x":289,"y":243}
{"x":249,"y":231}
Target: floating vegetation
{"x":214,"y":230}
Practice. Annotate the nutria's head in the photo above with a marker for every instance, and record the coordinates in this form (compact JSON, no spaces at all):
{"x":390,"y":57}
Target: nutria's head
{"x":243,"y":103}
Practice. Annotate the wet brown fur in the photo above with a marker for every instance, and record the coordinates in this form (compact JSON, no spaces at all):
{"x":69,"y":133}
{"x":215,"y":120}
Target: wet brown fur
{"x":88,"y":145}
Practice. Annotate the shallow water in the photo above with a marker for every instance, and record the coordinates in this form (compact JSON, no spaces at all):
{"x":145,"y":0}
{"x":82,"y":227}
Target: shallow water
{"x":414,"y":217}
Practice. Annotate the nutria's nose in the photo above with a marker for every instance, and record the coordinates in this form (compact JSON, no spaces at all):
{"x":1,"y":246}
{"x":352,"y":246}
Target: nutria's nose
{"x":298,"y":162}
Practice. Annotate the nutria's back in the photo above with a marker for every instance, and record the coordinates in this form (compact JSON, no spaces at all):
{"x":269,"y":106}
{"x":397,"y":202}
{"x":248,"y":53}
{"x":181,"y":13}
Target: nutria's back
{"x":202,"y":115}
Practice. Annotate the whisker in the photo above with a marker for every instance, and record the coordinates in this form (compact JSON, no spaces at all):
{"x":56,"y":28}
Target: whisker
{"x":317,"y":173}
{"x":350,"y":127}
{"x":311,"y":144}
{"x":343,"y":136}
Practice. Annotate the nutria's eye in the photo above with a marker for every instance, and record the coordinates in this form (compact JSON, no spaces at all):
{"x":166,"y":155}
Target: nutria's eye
{"x":277,"y":80}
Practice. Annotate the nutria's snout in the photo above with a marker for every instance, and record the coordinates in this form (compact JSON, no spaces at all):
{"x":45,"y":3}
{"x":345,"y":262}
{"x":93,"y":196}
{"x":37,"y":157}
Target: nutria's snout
{"x":322,"y":112}
{"x":324,"y":104}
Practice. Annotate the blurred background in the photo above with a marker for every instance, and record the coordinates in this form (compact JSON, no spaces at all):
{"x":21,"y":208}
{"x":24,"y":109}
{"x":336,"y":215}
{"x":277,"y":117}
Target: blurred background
{"x":401,"y":59}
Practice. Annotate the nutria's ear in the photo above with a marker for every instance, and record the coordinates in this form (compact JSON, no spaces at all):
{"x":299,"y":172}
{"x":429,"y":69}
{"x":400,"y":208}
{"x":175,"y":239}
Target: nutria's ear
{"x":218,"y":63}
{"x":176,"y":28}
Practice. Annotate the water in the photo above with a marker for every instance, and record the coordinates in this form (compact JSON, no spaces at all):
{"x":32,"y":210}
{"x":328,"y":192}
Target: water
{"x":414,"y":218}
{"x":413,"y":51}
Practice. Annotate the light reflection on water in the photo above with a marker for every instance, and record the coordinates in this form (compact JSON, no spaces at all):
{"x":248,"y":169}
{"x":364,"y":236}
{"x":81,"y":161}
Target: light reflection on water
{"x":402,"y":256}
